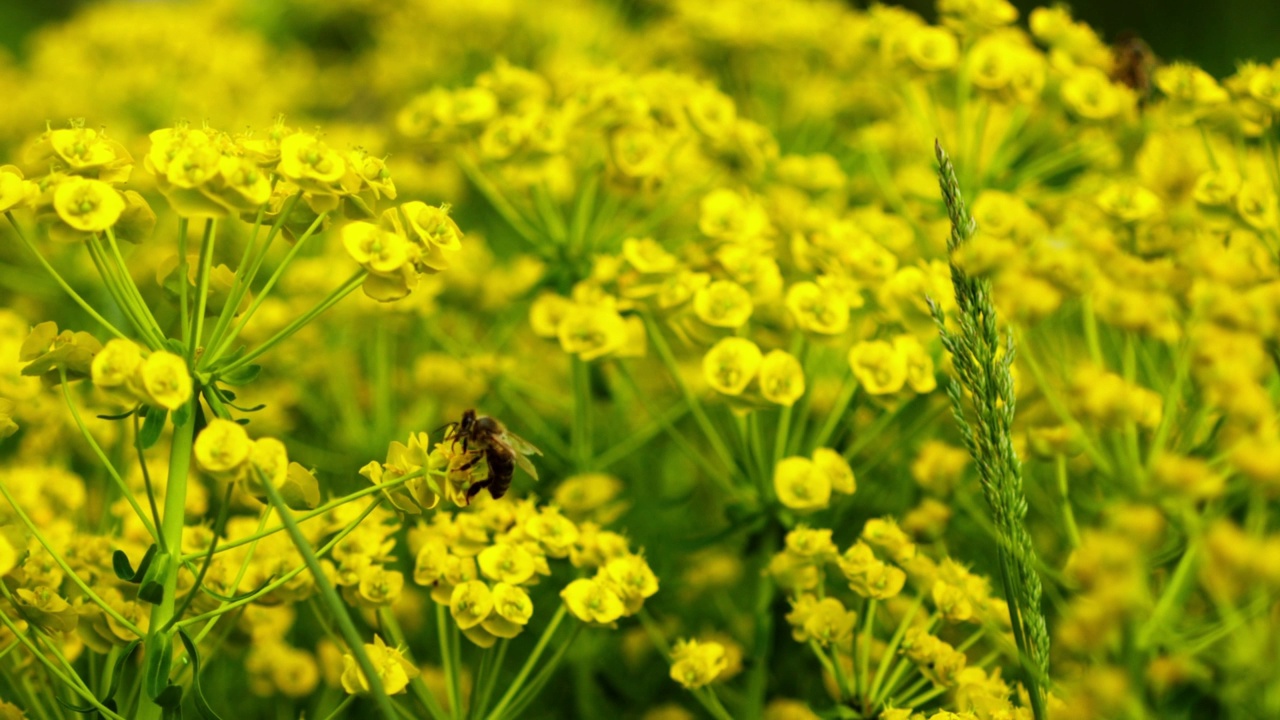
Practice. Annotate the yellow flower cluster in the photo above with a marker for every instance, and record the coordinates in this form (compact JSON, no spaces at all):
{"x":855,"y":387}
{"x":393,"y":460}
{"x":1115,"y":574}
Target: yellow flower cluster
{"x":160,"y":379}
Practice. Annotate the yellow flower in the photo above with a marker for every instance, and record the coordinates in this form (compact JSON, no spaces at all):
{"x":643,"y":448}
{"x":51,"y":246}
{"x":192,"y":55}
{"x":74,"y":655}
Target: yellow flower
{"x":593,"y":601}
{"x":837,"y":469}
{"x":879,"y":367}
{"x":1128,"y":202}
{"x":470,"y":603}
{"x":829,"y":622}
{"x":13,"y":189}
{"x":1090,"y":94}
{"x":8,"y":556}
{"x":222,"y":447}
{"x":546,"y":313}
{"x":781,"y":378}
{"x":378,"y":586}
{"x":723,"y":303}
{"x":87,"y":205}
{"x":512,"y":609}
{"x":376,"y":249}
{"x":507,"y":563}
{"x":592,"y":330}
{"x":933,"y":48}
{"x":731,"y":364}
{"x":166,"y":380}
{"x":116,"y":364}
{"x":633,"y":580}
{"x":695,"y":664}
{"x":647,"y":256}
{"x":310,"y":163}
{"x":801,"y":484}
{"x":817,"y":309}
{"x":920,"y":377}
{"x":393,"y":669}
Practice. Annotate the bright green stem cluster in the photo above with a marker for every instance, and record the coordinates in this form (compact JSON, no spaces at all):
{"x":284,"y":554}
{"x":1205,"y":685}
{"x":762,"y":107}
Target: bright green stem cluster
{"x":983,"y":366}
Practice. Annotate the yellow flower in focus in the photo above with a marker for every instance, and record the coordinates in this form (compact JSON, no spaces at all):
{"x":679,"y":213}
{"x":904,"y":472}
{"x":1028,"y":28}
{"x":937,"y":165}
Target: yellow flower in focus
{"x":879,"y":367}
{"x":507,"y":562}
{"x":222,"y":447}
{"x":512,"y":609}
{"x":781,"y":378}
{"x":723,"y":303}
{"x":837,"y":469}
{"x":731,"y":364}
{"x":310,"y":163}
{"x":376,"y":249}
{"x":470,"y":603}
{"x":801,"y":484}
{"x":87,"y":205}
{"x":166,"y":380}
{"x":393,"y":669}
{"x":695,"y":664}
{"x":593,"y":601}
{"x":633,"y":580}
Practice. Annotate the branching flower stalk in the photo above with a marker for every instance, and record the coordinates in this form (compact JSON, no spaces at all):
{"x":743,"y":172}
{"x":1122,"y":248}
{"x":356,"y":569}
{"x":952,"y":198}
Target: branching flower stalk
{"x":983,"y":365}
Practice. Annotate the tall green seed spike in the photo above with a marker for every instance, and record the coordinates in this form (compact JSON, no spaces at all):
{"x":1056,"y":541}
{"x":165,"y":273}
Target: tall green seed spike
{"x":987,"y":375}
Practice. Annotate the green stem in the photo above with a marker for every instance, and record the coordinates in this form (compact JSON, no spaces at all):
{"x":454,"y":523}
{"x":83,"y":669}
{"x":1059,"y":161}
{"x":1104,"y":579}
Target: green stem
{"x":342,"y":706}
{"x":581,"y":441}
{"x":61,"y":282}
{"x":106,"y":462}
{"x":528,"y":666}
{"x":183,"y":302}
{"x":285,"y":333}
{"x":331,"y":599}
{"x":266,"y":289}
{"x":132,"y":287}
{"x":175,"y":502}
{"x":451,"y":672}
{"x":239,"y":285}
{"x":1068,"y":512}
{"x":873,"y":694}
{"x":419,"y":687}
{"x":115,"y":287}
{"x":202,"y":287}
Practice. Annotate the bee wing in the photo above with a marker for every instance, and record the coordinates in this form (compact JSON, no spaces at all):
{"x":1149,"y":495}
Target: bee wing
{"x":527,"y":466}
{"x":520,"y":445}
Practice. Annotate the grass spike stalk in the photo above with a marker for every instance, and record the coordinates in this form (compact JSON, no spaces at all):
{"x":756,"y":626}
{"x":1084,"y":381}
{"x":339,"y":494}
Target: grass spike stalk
{"x":985,"y":374}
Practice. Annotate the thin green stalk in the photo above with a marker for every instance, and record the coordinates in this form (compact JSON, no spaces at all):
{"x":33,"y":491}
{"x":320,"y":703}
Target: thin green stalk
{"x":266,"y":289}
{"x":1068,"y":512}
{"x":202,"y":286}
{"x":700,"y":415}
{"x":535,"y":686}
{"x":581,"y":441}
{"x":184,"y":312}
{"x":175,"y":502}
{"x":286,"y":332}
{"x":106,"y":462}
{"x":864,"y":651}
{"x":317,"y":512}
{"x":332,"y":600}
{"x":848,"y":390}
{"x":528,"y":666}
{"x":451,"y":672}
{"x":53,"y":670}
{"x":890,"y":651}
{"x":239,"y":285}
{"x":417,"y":685}
{"x":130,"y":285}
{"x":491,"y":681}
{"x":61,"y":282}
{"x":116,"y":289}
{"x":342,"y":707}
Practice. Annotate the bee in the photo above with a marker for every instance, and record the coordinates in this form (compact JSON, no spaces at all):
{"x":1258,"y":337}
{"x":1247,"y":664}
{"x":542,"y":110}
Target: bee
{"x":502,"y":450}
{"x":1133,"y":63}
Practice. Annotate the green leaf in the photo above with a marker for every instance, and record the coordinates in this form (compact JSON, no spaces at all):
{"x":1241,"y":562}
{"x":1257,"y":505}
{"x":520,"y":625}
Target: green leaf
{"x":158,"y":654}
{"x":182,"y":414}
{"x":117,"y":673}
{"x":175,"y":346}
{"x":202,"y":705}
{"x":75,"y":708}
{"x":121,"y":416}
{"x":152,"y":426}
{"x":152,"y":589}
{"x":124,"y":569}
{"x":242,"y":375}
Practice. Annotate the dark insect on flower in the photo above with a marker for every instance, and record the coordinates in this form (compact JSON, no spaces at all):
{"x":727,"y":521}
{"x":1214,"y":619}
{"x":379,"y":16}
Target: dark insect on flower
{"x":502,"y":450}
{"x":1133,"y":62}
